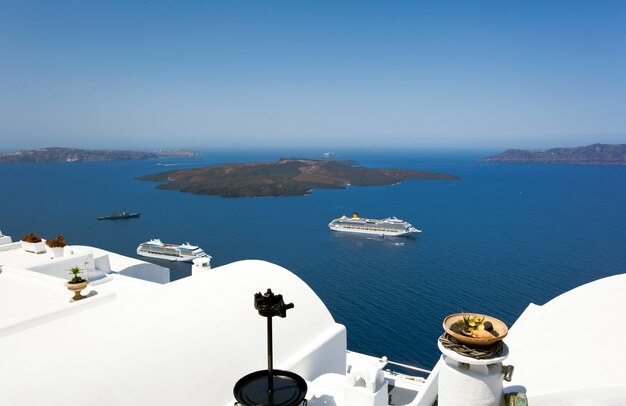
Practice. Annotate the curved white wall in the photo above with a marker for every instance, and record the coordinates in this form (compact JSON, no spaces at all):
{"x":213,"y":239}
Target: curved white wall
{"x":575,"y":342}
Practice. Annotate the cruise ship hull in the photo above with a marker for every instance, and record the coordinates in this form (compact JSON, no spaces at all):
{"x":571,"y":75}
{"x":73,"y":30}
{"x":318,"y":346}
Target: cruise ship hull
{"x":391,"y":227}
{"x":166,"y":257}
{"x":374,"y":232}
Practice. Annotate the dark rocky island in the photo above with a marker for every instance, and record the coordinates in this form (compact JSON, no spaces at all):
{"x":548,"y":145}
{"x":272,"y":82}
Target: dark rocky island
{"x":596,"y":154}
{"x":287,"y":177}
{"x":57,"y":154}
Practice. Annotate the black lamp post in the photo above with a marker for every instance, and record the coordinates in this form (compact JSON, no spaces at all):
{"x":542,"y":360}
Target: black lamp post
{"x":271,"y":387}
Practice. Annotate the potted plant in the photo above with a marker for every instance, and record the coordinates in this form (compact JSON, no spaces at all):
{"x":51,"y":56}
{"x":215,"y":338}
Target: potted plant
{"x":31,"y":242}
{"x":76,"y":283}
{"x":55,"y":246}
{"x":474,"y":329}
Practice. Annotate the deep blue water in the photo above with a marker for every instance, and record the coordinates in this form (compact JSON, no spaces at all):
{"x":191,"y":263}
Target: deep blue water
{"x":503,"y":236}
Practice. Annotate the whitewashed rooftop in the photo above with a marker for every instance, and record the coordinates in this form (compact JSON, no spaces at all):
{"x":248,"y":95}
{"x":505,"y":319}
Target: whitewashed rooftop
{"x":95,"y":261}
{"x":32,"y":290}
{"x":186,"y":342}
{"x":571,"y":350}
{"x":133,"y":342}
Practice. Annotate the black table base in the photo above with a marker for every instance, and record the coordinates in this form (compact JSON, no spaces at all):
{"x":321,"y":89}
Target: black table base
{"x":289,"y":389}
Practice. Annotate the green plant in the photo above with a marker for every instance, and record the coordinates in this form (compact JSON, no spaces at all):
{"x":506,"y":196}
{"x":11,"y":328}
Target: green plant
{"x":31,"y":237}
{"x":474,"y":325}
{"x":58,"y":242}
{"x":474,"y":322}
{"x":75,"y":278}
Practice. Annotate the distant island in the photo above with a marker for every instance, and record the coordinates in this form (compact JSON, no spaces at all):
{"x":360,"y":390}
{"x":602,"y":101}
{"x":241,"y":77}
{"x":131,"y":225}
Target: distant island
{"x":57,"y":154}
{"x":596,"y":154}
{"x":287,"y":177}
{"x":176,"y":153}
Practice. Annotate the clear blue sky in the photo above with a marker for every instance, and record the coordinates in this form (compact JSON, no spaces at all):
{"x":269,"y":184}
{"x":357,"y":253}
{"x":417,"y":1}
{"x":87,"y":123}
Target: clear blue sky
{"x":469,"y":74}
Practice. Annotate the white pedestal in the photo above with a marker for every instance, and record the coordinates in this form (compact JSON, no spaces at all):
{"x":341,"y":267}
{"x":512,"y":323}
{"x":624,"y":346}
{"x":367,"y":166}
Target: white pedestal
{"x":465,"y":381}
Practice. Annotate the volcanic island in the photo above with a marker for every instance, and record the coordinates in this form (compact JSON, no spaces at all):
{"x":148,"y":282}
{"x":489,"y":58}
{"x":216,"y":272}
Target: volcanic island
{"x":595,"y":154}
{"x":286,"y":177}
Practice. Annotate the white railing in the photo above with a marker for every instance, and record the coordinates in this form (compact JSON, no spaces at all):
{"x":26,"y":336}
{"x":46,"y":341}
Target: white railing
{"x":411,"y":367}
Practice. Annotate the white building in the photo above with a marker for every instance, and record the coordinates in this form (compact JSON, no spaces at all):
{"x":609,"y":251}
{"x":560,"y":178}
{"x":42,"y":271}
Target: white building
{"x":133,"y":342}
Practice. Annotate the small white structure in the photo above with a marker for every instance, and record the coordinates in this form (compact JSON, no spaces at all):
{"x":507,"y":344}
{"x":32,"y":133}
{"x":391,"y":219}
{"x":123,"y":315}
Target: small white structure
{"x":200,"y":265}
{"x":365,"y":384}
{"x":5,"y":239}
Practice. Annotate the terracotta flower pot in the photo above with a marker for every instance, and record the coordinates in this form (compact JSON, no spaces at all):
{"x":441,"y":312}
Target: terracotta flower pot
{"x":499,"y":330}
{"x":76,"y":288}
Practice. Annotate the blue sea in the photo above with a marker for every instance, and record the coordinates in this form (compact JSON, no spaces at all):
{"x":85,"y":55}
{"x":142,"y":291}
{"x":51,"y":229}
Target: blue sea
{"x":502,"y":237}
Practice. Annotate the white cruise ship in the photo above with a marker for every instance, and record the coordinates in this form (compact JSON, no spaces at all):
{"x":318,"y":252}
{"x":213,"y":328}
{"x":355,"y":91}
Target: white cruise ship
{"x":155,"y":248}
{"x":386,"y":227}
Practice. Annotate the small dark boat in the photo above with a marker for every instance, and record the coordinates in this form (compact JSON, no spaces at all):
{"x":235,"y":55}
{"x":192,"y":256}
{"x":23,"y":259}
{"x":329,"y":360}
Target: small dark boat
{"x":119,"y":215}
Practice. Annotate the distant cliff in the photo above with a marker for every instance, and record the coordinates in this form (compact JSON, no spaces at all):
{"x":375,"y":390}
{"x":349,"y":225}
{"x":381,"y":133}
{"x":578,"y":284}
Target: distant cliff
{"x":287,"y":177}
{"x":57,"y":154}
{"x":596,"y":154}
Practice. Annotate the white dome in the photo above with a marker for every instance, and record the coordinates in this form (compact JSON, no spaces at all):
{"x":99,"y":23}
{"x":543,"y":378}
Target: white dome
{"x":184,"y":343}
{"x":570,"y":350}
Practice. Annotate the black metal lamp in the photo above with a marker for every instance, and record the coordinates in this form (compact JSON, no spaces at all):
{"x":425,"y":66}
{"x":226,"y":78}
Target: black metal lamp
{"x":271,"y":387}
